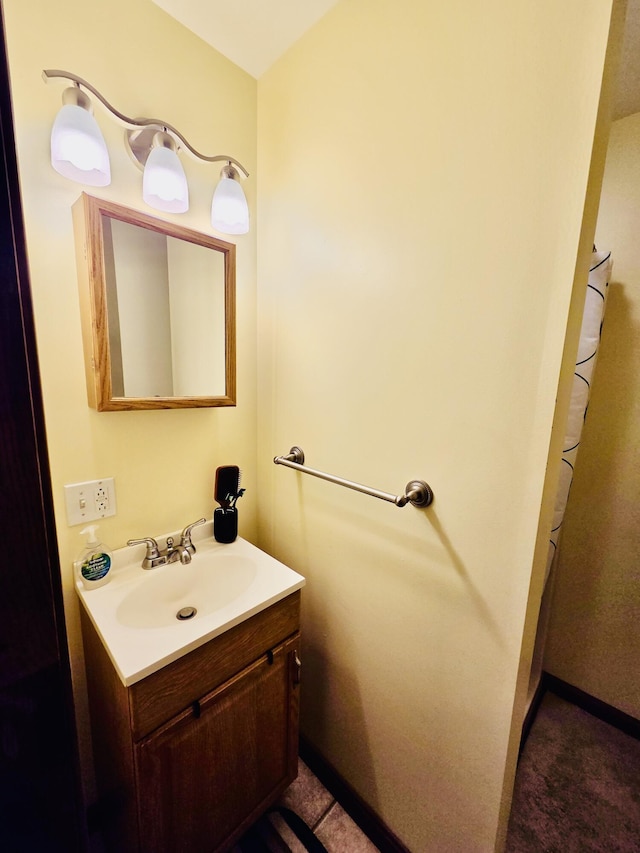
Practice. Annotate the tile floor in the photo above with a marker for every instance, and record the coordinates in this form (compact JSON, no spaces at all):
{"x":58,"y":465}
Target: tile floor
{"x":311,"y":801}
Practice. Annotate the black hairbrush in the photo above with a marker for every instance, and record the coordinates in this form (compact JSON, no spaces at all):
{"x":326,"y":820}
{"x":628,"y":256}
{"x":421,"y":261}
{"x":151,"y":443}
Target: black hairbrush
{"x":226,"y":492}
{"x":227,"y":485}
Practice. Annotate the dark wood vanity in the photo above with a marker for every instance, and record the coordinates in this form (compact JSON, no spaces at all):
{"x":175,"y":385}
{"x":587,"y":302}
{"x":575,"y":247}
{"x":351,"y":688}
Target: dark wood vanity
{"x":190,"y":756}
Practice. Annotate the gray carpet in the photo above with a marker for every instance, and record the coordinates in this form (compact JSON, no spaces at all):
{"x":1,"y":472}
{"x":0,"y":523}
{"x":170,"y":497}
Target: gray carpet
{"x":577,"y":786}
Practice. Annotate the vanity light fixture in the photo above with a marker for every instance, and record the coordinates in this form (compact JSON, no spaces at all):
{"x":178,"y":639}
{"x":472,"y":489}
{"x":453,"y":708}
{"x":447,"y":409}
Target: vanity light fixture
{"x":164,"y":183}
{"x":229,"y":210}
{"x":78,"y":149}
{"x":79,"y":152}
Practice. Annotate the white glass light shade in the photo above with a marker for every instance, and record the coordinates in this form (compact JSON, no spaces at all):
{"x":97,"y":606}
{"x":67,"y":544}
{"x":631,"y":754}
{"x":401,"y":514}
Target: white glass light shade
{"x":164,"y":183}
{"x":229,"y":208}
{"x":78,"y":150}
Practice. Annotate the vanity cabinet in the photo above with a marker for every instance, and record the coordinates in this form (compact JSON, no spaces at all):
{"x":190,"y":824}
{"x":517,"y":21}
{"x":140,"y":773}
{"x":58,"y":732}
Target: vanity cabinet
{"x":189,"y":757}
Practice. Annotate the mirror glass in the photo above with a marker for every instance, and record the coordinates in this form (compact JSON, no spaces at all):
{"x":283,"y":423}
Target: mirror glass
{"x":159,"y":318}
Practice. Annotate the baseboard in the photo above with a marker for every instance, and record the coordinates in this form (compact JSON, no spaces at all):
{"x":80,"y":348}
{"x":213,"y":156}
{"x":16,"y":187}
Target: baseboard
{"x":359,"y":811}
{"x":531,"y":713}
{"x":625,"y":722}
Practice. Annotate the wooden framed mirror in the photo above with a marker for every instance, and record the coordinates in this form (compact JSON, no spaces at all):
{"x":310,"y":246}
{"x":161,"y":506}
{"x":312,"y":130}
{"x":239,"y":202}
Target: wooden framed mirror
{"x":158,"y":310}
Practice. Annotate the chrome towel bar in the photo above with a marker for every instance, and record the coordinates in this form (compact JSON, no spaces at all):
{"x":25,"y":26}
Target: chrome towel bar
{"x":417,"y":492}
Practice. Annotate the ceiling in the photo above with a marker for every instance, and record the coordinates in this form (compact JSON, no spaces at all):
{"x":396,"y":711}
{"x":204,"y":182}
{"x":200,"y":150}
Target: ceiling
{"x":254,"y":33}
{"x":251,"y":33}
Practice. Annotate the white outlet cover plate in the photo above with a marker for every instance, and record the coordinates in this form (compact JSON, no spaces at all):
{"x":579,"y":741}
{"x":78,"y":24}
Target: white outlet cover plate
{"x":90,"y":501}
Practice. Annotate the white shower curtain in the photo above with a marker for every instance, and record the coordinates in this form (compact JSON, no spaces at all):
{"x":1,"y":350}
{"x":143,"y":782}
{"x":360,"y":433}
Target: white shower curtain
{"x":596,"y":300}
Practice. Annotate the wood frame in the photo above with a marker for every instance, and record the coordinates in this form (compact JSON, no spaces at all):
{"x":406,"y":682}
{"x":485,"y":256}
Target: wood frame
{"x":90,"y":256}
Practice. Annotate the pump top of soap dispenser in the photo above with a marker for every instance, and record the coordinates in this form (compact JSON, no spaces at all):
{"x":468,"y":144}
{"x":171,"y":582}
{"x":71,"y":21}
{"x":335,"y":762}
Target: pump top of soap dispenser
{"x":92,"y":539}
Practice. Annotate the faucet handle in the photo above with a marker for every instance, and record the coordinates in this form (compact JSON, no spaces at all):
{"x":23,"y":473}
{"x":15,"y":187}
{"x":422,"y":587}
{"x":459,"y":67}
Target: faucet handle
{"x":152,"y":558}
{"x":185,"y":538}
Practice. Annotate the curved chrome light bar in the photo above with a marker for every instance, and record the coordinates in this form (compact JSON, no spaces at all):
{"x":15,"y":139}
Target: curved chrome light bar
{"x":140,"y":151}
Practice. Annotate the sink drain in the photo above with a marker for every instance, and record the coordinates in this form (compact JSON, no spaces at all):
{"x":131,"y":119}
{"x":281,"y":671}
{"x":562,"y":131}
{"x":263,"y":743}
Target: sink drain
{"x":186,"y":613}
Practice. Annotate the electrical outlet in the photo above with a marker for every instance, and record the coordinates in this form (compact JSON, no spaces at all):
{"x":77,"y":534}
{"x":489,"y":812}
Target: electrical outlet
{"x":102,"y":501}
{"x":89,"y":501}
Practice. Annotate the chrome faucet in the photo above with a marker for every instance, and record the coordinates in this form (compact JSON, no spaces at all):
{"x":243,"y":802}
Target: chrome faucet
{"x":177,"y":552}
{"x":185,"y":537}
{"x":171,"y":553}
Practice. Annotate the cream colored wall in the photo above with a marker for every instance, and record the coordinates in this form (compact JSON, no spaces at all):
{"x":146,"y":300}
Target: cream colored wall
{"x":145,"y":64}
{"x":423,"y":170}
{"x":594,"y":637}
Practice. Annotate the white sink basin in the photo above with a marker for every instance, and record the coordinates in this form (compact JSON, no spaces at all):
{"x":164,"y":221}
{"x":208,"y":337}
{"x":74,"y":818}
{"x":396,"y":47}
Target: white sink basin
{"x":170,"y":590}
{"x":135,"y":614}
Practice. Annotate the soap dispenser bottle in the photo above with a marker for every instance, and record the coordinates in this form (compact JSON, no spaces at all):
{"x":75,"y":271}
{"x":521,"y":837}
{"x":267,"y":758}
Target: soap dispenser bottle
{"x":94,"y":561}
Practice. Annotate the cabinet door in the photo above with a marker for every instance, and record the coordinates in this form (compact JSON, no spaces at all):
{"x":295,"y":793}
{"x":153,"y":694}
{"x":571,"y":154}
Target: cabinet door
{"x":211,"y":771}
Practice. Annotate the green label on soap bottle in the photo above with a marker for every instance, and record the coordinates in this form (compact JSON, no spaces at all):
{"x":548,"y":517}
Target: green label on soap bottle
{"x":95,"y":567}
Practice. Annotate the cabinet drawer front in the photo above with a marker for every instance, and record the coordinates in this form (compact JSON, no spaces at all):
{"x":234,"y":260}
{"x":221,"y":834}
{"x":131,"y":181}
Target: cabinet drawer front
{"x":207,"y":774}
{"x":161,"y":696}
